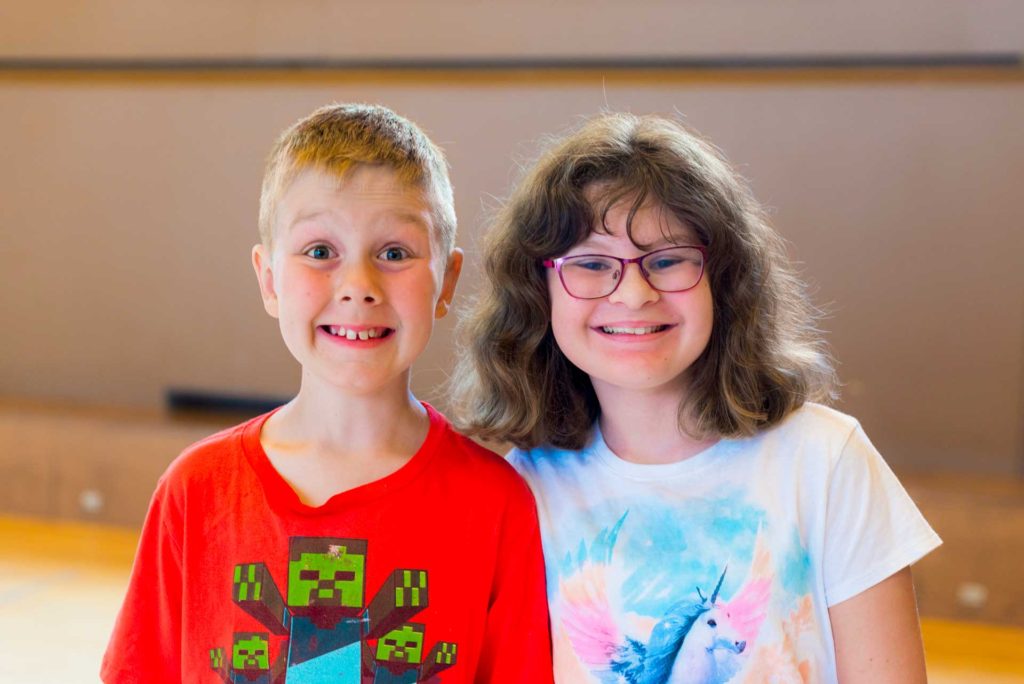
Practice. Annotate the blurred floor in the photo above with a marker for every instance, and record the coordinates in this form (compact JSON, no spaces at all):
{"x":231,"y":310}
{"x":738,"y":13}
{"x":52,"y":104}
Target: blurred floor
{"x":60,"y":587}
{"x":61,"y":584}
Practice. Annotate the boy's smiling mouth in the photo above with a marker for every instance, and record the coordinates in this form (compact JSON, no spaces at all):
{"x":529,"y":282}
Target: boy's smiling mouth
{"x":352,"y":334}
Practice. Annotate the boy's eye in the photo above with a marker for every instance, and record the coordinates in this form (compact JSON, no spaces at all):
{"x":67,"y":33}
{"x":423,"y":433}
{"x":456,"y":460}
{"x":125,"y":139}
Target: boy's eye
{"x":319,"y":252}
{"x":394,"y":254}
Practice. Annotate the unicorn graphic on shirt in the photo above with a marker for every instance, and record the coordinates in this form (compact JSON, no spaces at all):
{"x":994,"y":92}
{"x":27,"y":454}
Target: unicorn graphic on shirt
{"x":699,"y":639}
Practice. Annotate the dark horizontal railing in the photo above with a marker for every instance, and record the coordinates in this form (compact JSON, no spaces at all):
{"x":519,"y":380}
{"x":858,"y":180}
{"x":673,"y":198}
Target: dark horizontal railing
{"x":996,"y":60}
{"x":201,"y":401}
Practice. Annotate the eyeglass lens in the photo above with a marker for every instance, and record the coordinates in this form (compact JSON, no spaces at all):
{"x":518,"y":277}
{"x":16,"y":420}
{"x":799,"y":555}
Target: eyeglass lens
{"x":668,"y":270}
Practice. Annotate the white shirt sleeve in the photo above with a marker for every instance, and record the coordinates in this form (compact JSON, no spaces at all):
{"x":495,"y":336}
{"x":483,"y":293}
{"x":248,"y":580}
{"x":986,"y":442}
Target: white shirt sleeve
{"x":873,"y":528}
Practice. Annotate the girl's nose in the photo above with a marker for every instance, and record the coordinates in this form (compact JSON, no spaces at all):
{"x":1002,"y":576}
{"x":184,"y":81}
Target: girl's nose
{"x":357,"y":282}
{"x":633,"y":291}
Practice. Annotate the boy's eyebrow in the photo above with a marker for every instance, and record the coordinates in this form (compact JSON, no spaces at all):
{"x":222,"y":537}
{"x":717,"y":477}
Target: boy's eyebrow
{"x":306,"y":216}
{"x":420,"y":218}
{"x":423,"y":219}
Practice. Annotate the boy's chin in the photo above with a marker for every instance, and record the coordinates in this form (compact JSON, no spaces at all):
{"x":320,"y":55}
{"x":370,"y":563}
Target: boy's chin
{"x":368,"y":385}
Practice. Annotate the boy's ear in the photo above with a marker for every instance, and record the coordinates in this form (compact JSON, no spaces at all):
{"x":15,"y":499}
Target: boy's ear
{"x":265,"y":275}
{"x":451,"y":278}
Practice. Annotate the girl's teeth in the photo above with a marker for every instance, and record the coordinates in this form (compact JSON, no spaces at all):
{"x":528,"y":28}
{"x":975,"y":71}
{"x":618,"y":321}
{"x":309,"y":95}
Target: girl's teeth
{"x":351,"y":334}
{"x":631,"y":331}
{"x":364,"y":335}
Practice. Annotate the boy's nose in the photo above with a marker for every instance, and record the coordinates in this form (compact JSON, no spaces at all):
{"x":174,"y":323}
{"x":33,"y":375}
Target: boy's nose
{"x":633,"y":291}
{"x":358,"y":283}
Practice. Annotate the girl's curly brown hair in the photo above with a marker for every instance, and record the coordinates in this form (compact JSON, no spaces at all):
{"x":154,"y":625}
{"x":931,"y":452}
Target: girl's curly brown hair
{"x":765,"y":357}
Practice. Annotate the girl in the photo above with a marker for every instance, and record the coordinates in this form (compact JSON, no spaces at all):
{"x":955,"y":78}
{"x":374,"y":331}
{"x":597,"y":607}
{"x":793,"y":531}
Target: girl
{"x":644,"y":344}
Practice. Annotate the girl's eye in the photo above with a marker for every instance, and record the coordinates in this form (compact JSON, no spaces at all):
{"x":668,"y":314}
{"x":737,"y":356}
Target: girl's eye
{"x":394,"y":254}
{"x":594,"y":265}
{"x":712,"y":623}
{"x":319,"y":252}
{"x":665,"y":263}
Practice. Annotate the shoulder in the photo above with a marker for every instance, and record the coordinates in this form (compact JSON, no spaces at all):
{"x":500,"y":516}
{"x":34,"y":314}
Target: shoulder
{"x":544,"y":459}
{"x":207,"y":463}
{"x":821,"y":418}
{"x":476,"y":465}
{"x":809,"y":444}
{"x":815,"y":425}
{"x":549,"y":469}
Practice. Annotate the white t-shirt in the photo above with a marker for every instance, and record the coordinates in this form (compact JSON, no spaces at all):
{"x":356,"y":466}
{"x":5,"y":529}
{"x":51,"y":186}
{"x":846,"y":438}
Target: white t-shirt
{"x":721,"y":567}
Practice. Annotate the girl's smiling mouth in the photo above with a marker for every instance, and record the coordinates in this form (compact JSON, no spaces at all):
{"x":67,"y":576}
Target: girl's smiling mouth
{"x":631,"y":329}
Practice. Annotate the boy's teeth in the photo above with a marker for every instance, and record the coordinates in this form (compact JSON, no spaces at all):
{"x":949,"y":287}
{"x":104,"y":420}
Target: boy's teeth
{"x":615,"y":329}
{"x":365,"y":334}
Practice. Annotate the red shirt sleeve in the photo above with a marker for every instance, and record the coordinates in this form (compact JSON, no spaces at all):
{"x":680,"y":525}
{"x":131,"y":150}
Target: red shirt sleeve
{"x":517,"y":643}
{"x":146,"y":642}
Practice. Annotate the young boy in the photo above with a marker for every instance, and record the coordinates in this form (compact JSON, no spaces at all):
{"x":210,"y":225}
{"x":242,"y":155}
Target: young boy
{"x":351,"y":535}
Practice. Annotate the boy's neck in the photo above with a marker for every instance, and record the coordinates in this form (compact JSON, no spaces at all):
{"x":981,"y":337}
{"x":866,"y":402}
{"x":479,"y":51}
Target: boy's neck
{"x":325,"y":442}
{"x":357,"y":424}
{"x":643,"y":426}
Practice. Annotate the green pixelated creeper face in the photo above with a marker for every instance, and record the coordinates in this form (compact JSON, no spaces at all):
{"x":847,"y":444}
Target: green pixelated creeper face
{"x":333,"y":579}
{"x":216,"y":658}
{"x":402,"y":645}
{"x":251,"y":653}
{"x":410,"y":590}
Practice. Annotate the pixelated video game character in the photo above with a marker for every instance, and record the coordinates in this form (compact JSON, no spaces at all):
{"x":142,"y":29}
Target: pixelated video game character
{"x":325,"y":615}
{"x":249,"y":662}
{"x":398,"y":655}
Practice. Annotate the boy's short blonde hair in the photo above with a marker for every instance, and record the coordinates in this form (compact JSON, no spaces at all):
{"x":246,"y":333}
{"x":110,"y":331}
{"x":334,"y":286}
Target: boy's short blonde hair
{"x":337,"y":138}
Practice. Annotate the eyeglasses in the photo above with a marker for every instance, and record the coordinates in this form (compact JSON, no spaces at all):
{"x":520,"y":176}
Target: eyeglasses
{"x":592,"y":276}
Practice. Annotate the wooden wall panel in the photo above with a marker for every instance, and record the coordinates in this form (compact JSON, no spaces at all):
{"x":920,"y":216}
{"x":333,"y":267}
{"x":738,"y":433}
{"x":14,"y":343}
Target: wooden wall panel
{"x":87,"y":465}
{"x":527,"y":29}
{"x":129,"y":208}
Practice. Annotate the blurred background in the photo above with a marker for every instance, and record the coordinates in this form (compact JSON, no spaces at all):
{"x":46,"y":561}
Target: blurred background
{"x":886,"y":139}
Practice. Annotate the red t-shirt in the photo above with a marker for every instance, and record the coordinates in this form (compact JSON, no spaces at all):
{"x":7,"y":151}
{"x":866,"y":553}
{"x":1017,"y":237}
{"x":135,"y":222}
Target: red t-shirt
{"x":433,"y":573}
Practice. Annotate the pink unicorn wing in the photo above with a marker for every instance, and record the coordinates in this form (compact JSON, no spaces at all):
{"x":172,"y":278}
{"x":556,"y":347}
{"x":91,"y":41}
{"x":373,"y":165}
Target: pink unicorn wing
{"x":586,"y":616}
{"x":583,"y":607}
{"x":746,"y":610}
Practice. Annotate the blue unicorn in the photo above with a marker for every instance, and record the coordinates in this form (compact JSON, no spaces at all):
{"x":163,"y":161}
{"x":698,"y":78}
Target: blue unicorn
{"x":696,"y":641}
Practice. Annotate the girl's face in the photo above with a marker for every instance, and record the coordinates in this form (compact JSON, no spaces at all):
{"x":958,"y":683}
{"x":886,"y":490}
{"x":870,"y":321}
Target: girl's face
{"x":636,"y":338}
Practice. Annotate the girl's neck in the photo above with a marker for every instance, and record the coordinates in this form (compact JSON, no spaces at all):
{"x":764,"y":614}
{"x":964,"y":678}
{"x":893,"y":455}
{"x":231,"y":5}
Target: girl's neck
{"x":643,"y":426}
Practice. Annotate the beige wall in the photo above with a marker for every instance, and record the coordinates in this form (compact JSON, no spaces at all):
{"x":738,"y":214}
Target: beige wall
{"x":128,"y":200}
{"x":392,"y":29}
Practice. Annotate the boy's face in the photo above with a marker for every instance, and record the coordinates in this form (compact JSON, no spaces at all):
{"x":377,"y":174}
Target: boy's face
{"x":355,"y":278}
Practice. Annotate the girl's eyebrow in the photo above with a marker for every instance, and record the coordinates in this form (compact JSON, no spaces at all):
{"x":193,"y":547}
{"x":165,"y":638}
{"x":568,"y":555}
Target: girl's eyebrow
{"x":595,"y":242}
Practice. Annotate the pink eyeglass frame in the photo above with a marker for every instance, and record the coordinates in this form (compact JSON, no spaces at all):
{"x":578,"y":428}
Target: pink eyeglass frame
{"x":557,"y":265}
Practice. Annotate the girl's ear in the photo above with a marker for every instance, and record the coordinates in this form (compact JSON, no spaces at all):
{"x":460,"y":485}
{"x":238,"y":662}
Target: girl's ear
{"x":261,"y":263}
{"x":451,"y":278}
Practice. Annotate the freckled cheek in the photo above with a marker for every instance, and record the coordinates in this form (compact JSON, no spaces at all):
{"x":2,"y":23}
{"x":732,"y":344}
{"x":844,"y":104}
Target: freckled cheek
{"x":306,"y":286}
{"x":708,"y":312}
{"x":566,"y":311}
